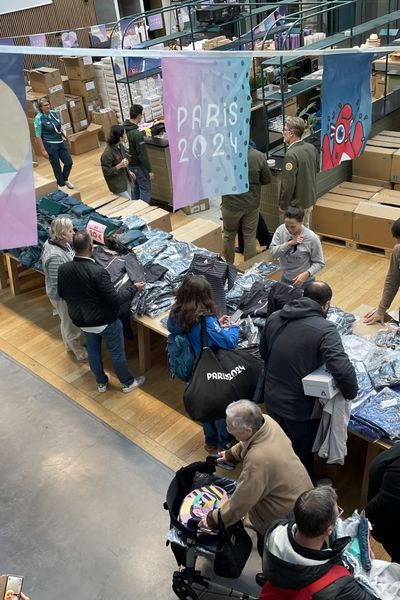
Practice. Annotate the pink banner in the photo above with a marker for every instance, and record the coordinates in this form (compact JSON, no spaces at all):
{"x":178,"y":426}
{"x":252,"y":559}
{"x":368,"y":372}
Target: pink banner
{"x":207,"y":115}
{"x":17,"y":192}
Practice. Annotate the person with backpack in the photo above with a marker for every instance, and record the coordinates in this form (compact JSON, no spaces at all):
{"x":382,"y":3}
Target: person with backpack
{"x":193,"y":301}
{"x":299,"y":563}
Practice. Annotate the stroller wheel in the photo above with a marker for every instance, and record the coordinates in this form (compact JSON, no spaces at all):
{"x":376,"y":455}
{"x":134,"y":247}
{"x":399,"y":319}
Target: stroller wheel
{"x":184,"y":591}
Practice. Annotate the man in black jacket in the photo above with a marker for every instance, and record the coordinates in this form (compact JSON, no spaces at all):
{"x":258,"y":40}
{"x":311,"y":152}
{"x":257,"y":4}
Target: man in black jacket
{"x":93,"y":305}
{"x":294,"y":342}
{"x":296,"y":555}
{"x":139,"y":162}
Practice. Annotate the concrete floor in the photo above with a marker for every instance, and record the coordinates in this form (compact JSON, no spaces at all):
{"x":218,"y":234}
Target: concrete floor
{"x":81,"y":506}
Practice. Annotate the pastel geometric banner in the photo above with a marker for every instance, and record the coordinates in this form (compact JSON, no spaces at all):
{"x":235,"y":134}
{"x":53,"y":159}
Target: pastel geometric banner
{"x":207,"y":115}
{"x":38,"y":39}
{"x":346,"y":107}
{"x":17,"y":193}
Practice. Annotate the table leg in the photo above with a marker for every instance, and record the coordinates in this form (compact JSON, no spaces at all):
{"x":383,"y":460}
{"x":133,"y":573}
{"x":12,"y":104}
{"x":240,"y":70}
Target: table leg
{"x":12,"y":268}
{"x":144,"y":350}
{"x":3,"y":274}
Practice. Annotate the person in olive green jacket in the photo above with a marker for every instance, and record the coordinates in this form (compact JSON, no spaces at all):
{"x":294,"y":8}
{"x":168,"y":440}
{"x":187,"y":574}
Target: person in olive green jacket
{"x":114,"y":164}
{"x":139,"y":162}
{"x":243,"y":209}
{"x":299,"y":171}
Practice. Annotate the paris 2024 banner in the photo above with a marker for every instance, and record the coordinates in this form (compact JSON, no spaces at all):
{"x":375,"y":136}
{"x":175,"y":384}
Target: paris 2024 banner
{"x":17,"y":193}
{"x":346,"y":108}
{"x":207,"y":115}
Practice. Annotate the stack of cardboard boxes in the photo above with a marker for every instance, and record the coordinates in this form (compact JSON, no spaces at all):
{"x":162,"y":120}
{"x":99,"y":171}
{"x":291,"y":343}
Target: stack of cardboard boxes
{"x":80,"y":72}
{"x":358,"y":213}
{"x":380,"y":162}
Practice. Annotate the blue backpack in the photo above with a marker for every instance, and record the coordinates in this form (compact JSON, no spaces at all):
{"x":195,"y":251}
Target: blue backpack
{"x":180,"y":356}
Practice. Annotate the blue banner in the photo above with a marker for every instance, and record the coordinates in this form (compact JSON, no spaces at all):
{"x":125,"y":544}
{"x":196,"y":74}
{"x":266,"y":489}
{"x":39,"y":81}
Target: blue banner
{"x":346,"y":107}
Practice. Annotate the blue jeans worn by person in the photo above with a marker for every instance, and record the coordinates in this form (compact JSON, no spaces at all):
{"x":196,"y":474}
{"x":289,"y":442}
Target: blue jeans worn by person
{"x":216,"y":434}
{"x":114,"y":339}
{"x":142,"y":186}
{"x":57,"y":153}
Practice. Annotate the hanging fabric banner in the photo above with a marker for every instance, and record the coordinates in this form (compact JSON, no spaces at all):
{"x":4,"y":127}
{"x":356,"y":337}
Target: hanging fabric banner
{"x":346,"y":108}
{"x":38,"y":39}
{"x":17,"y":193}
{"x":207,"y":115}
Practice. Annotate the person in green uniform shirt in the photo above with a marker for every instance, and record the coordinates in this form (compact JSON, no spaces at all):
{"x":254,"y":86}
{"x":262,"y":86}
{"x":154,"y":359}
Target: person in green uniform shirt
{"x":53,"y":142}
{"x":139,"y":162}
{"x":299,"y":171}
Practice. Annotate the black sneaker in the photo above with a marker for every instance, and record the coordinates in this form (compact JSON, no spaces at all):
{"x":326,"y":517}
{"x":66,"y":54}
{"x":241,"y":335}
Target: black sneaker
{"x":260,"y":579}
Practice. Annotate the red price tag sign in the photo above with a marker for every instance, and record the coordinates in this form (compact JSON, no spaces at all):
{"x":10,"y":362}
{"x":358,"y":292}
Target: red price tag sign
{"x":96,"y":231}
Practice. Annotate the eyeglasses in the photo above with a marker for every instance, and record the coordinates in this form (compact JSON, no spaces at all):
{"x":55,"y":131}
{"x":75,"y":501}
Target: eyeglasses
{"x":340,"y":512}
{"x":286,"y":129}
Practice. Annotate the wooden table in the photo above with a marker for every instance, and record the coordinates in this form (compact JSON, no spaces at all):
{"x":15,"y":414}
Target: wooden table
{"x":145,"y":325}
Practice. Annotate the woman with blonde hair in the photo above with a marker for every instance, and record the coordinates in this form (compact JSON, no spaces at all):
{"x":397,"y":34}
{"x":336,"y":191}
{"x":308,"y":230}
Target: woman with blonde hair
{"x":57,"y":250}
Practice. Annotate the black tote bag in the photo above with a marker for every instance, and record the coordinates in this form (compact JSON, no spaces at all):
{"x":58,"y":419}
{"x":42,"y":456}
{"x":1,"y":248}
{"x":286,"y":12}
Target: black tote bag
{"x":220,"y":377}
{"x":234,"y":550}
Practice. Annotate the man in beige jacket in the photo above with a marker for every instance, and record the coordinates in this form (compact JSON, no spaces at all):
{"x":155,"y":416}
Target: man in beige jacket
{"x":272,"y":476}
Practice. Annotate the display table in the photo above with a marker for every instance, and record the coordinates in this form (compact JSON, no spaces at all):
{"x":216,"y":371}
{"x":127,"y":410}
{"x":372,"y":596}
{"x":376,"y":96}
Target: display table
{"x":144,"y":326}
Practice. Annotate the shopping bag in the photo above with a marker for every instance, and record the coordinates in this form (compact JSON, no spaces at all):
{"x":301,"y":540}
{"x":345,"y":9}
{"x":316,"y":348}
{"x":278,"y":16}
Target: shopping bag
{"x":233,"y":550}
{"x":219,"y":378}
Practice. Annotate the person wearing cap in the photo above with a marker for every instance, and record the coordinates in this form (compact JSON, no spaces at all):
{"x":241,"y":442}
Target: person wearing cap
{"x":242,"y":210}
{"x":299,"y":171}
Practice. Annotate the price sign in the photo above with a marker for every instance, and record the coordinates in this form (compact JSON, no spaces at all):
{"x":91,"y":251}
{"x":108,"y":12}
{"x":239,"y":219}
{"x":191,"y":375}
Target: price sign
{"x":96,"y":231}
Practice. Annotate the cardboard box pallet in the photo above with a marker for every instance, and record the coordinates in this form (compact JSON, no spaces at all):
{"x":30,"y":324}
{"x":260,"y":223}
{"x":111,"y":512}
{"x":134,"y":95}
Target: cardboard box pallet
{"x":380,"y":159}
{"x":365,"y":221}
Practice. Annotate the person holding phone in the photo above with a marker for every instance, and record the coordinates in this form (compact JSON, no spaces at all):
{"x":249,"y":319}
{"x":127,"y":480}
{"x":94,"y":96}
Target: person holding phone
{"x":53,"y":142}
{"x":193,"y":301}
{"x":114,"y":164}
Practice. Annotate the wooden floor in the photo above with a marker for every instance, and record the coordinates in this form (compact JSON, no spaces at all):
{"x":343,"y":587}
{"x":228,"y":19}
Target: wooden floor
{"x":153,"y":416}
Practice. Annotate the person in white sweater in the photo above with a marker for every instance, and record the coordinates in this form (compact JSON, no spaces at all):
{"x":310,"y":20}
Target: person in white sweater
{"x":298,"y":249}
{"x":56,"y":251}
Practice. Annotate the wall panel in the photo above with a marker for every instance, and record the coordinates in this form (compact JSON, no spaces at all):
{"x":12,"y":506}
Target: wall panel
{"x":60,"y":16}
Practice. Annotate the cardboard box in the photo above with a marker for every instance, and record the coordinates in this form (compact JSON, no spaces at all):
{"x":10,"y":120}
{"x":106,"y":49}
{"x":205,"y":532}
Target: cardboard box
{"x":65,"y":83}
{"x":385,"y":143}
{"x":32,"y":99}
{"x":43,"y":185}
{"x":374,"y":163}
{"x":86,"y":89}
{"x":105,"y":117}
{"x":352,"y":193}
{"x":372,"y":224}
{"x":197,"y":207}
{"x":368,"y":181}
{"x":56,"y":98}
{"x":320,"y":383}
{"x":395,"y":173}
{"x":333,"y":218}
{"x":157,"y":218}
{"x":76,"y":108}
{"x":388,"y":197}
{"x":80,"y":125}
{"x":79,"y":68}
{"x":342,"y":199}
{"x":390,"y":133}
{"x":84,"y":141}
{"x":396,"y":187}
{"x":202,"y":233}
{"x":45,"y":79}
{"x":350,"y":185}
{"x":90,"y":106}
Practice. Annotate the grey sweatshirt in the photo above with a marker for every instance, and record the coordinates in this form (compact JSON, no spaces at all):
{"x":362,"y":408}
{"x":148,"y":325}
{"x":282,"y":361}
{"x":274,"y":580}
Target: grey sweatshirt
{"x":294,"y":260}
{"x":53,"y":255}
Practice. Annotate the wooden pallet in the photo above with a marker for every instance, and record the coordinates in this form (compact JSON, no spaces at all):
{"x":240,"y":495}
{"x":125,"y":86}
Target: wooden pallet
{"x":352,"y":245}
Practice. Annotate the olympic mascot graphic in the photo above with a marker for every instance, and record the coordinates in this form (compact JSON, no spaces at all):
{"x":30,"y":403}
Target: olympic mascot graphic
{"x":346,"y":137}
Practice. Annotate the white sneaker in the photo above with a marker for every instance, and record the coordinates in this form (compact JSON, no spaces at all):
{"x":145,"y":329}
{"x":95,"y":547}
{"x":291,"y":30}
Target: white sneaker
{"x":137,"y":382}
{"x":69,"y":185}
{"x":102,"y":387}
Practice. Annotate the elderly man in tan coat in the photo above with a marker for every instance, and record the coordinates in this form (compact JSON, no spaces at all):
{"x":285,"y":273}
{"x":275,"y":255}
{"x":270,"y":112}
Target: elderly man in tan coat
{"x":272,"y":476}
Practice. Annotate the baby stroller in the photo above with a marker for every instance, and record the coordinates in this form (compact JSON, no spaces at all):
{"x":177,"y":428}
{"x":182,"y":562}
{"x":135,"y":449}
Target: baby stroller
{"x":188,"y":542}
